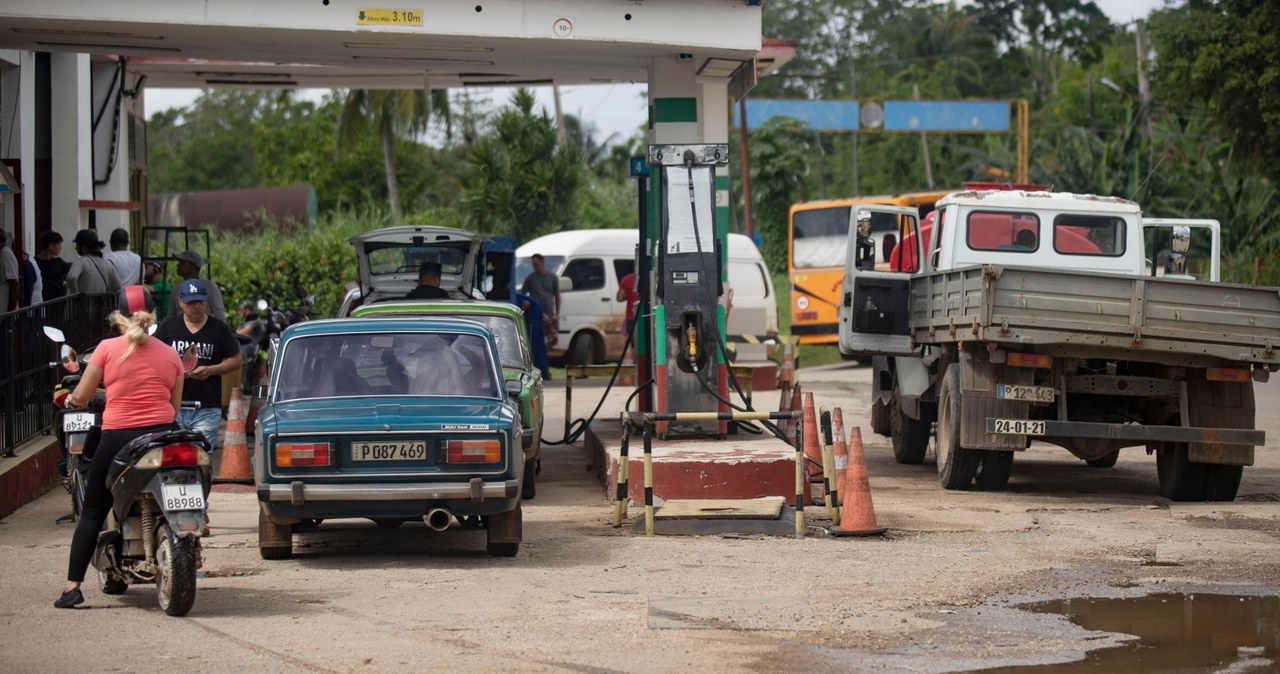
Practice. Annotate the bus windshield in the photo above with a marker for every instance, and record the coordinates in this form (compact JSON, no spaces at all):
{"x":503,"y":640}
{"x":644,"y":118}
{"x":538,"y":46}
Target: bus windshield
{"x":818,"y":237}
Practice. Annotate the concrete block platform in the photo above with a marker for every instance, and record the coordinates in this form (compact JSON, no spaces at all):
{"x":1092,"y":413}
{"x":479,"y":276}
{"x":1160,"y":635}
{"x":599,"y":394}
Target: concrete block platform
{"x":740,"y":466}
{"x":32,"y":471}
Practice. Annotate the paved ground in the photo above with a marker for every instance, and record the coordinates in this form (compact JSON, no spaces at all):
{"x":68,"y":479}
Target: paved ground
{"x":934,"y":595}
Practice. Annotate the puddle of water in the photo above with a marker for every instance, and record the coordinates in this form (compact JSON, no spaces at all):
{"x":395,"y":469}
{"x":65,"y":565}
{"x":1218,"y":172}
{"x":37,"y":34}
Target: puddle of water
{"x":1176,"y":632}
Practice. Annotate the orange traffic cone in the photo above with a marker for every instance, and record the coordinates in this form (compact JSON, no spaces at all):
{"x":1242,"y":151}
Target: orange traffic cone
{"x":812,"y":448}
{"x":840,"y":448}
{"x":235,"y":450}
{"x":858,"y":516}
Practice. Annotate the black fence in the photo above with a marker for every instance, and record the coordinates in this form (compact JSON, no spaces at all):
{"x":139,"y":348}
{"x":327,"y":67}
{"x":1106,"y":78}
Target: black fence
{"x":26,"y":378}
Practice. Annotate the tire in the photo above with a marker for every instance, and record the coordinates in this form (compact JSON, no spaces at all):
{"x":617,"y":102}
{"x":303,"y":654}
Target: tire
{"x":270,"y":536}
{"x":175,"y":572}
{"x":529,"y":488}
{"x":1106,"y":461}
{"x":1180,"y":479}
{"x":581,"y":351}
{"x":880,"y":422}
{"x":503,"y":525}
{"x":994,"y":468}
{"x":109,"y":584}
{"x":910,"y":436}
{"x":956,"y":465}
{"x":1222,"y":482}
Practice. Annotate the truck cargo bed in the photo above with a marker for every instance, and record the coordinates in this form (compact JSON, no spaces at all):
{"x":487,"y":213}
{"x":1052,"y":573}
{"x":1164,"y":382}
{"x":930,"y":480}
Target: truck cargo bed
{"x":1138,"y":318}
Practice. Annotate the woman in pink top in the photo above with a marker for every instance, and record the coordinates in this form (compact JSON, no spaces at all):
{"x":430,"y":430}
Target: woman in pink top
{"x":143,"y":378}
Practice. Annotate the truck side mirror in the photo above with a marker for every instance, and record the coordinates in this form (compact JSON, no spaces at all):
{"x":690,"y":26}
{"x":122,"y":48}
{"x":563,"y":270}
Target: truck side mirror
{"x":1180,"y":241}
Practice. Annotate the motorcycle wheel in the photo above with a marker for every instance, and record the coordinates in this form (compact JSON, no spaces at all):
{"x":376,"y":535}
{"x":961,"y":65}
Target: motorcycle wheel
{"x":175,"y":572}
{"x":109,"y":584}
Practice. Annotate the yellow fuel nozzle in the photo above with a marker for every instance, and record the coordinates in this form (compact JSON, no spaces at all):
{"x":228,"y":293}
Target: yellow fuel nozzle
{"x":692,"y":333}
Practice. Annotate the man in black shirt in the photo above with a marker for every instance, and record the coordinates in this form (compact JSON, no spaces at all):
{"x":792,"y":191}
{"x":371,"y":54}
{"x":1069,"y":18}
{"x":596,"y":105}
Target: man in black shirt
{"x":53,"y":269}
{"x":217,"y":351}
{"x":428,"y":284}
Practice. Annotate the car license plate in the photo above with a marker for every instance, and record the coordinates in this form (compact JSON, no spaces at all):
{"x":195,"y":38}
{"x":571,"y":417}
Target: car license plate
{"x":182,"y":496}
{"x":77,"y":421}
{"x":1039,"y":394}
{"x":388,"y":451}
{"x":1018,"y":427}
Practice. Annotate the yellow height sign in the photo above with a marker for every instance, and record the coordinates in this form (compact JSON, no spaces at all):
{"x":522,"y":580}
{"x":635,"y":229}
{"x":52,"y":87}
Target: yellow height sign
{"x":389,"y":17}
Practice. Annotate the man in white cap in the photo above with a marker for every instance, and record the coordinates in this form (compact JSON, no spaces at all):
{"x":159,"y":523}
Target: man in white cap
{"x":189,"y":264}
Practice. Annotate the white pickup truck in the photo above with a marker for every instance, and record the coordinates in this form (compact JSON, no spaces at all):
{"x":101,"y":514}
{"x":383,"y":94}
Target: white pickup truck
{"x":1069,"y":319}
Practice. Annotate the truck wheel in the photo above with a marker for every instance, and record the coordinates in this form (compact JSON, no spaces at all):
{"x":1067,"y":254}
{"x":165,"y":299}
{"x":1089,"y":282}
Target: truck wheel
{"x":503,"y":533}
{"x":1180,"y":479}
{"x":956,"y":465}
{"x":910,"y":436}
{"x":581,"y":351}
{"x":993,"y":470}
{"x":529,"y":488}
{"x":1221,"y":482}
{"x":880,"y":422}
{"x":1105,"y":461}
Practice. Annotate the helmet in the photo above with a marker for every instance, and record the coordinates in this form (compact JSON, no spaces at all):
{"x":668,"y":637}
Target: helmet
{"x":132,"y":299}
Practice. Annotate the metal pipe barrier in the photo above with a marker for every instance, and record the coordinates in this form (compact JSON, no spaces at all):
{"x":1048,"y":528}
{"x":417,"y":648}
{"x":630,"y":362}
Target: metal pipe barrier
{"x":26,"y":379}
{"x":587,"y":371}
{"x":648,"y":419}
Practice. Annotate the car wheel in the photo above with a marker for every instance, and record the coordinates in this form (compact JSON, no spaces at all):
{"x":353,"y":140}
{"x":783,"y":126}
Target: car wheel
{"x":530,"y":487}
{"x":503,"y":532}
{"x":275,"y":541}
{"x":582,"y":351}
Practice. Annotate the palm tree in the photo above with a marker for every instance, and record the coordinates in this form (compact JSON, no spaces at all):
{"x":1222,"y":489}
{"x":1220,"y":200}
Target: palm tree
{"x":392,"y":114}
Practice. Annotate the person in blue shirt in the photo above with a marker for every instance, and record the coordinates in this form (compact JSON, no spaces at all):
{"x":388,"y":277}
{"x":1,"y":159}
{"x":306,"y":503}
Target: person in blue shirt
{"x":537,"y":339}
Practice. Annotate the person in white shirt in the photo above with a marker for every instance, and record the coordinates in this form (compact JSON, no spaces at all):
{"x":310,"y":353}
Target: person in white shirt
{"x":10,"y":290}
{"x":128,"y":264}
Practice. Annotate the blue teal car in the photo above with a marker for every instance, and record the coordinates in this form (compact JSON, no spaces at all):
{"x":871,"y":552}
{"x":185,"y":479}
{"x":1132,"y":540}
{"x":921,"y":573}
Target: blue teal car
{"x":391,"y":419}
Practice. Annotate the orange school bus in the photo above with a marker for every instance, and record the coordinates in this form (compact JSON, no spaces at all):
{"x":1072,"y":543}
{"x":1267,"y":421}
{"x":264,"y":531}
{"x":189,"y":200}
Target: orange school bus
{"x":817,"y":233}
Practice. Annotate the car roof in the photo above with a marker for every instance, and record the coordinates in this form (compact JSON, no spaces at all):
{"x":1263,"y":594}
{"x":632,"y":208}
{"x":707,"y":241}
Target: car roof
{"x":335,"y":326}
{"x":405,"y":234}
{"x":621,"y":241}
{"x":435,"y":307}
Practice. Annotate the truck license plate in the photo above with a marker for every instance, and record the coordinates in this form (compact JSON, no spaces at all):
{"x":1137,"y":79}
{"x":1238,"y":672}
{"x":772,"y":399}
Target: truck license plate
{"x":182,"y":496}
{"x":77,"y":421}
{"x":1018,"y":427}
{"x":1039,"y":394}
{"x":388,"y":451}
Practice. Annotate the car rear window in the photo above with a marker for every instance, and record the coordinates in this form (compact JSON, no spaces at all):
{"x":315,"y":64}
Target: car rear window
{"x":386,"y":364}
{"x":399,"y":258}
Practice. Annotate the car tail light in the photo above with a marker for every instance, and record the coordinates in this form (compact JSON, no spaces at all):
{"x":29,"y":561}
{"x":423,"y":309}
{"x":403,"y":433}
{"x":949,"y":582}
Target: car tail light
{"x":1228,"y":374}
{"x":293,"y":455}
{"x":179,"y":455}
{"x":1029,"y":360}
{"x":473,"y":451}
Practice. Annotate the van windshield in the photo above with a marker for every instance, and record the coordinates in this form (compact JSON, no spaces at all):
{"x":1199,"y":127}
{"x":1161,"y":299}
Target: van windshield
{"x":524,"y":267}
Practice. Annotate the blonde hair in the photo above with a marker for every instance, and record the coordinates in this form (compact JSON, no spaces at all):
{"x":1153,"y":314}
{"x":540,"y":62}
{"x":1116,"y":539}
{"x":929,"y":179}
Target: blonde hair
{"x":134,"y":328}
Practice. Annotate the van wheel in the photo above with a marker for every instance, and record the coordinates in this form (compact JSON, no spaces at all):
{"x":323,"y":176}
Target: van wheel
{"x":910,"y":436}
{"x":582,"y":351}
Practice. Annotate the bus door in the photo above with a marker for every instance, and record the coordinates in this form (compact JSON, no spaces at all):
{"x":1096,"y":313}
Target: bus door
{"x":875,"y":300}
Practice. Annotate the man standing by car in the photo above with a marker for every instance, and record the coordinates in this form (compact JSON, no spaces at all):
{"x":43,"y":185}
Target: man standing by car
{"x":217,"y":352}
{"x":189,"y":264}
{"x":544,"y":286}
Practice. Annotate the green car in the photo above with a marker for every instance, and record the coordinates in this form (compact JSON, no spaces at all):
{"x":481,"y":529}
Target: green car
{"x":506,"y":322}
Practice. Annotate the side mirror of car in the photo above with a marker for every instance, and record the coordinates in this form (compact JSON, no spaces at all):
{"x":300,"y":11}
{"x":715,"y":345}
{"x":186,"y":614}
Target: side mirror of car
{"x":513,"y":387}
{"x":566,"y":284}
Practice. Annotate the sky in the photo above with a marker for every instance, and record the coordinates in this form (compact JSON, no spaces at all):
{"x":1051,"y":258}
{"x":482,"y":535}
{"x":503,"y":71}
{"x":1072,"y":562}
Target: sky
{"x":613,"y":108}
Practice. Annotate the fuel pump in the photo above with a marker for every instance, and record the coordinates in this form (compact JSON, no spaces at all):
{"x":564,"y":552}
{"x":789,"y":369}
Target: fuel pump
{"x":689,"y":370}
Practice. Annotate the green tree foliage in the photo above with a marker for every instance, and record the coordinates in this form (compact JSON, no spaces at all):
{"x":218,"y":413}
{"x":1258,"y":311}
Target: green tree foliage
{"x":208,"y":145}
{"x":1045,"y":33}
{"x":780,"y":154}
{"x":1224,"y":56}
{"x":521,"y":181}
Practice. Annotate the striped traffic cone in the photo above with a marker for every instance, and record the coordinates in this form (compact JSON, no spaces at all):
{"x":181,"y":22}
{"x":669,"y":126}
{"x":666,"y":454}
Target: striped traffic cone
{"x":235,"y":450}
{"x":858,"y":516}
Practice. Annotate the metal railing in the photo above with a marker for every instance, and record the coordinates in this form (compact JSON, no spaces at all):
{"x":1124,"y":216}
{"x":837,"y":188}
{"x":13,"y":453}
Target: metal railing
{"x":26,"y":380}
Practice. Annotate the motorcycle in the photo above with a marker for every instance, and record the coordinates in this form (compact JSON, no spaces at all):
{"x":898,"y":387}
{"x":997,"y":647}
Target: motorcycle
{"x":264,"y":333}
{"x":74,"y":429}
{"x":160,"y":484}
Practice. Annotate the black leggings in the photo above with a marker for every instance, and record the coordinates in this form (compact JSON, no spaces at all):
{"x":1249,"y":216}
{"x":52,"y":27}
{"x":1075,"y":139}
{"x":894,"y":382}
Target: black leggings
{"x":97,"y":497}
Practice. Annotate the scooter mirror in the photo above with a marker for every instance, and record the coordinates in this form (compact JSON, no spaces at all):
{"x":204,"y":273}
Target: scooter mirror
{"x":54,"y":334}
{"x":70,"y":362}
{"x":189,"y":359}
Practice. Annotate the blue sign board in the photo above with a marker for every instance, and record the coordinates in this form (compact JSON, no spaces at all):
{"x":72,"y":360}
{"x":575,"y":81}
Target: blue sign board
{"x":818,"y":115}
{"x":946,"y":116}
{"x":639,"y":166}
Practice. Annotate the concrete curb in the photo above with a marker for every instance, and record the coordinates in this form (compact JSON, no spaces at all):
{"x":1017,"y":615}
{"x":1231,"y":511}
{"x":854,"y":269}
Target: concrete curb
{"x":27,"y":476}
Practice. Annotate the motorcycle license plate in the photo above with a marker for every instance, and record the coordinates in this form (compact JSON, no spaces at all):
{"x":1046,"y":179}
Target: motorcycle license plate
{"x":77,"y":421}
{"x":182,"y":496}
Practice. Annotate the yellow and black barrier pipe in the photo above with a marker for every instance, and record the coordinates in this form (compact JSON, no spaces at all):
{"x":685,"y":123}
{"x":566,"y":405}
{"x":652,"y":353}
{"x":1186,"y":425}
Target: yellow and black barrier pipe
{"x":832,"y":495}
{"x":620,"y":508}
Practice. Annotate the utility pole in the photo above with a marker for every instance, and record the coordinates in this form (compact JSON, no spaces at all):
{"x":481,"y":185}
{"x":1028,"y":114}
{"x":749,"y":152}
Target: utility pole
{"x":924,"y":143}
{"x":1144,"y":87}
{"x":561,"y":137}
{"x":853,"y":94}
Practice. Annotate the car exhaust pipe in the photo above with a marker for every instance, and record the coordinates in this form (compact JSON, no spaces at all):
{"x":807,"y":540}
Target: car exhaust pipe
{"x":438,"y":519}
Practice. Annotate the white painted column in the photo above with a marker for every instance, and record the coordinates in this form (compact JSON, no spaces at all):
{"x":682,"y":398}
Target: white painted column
{"x":116,"y":187}
{"x":18,"y":101}
{"x":673,"y":101}
{"x":70,"y":150}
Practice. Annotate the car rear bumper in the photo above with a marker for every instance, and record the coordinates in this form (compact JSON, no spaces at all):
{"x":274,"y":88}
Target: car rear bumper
{"x":476,"y":490}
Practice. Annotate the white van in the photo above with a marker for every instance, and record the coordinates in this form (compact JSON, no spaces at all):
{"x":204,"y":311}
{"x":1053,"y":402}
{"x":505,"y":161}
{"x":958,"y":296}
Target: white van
{"x":591,"y":262}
